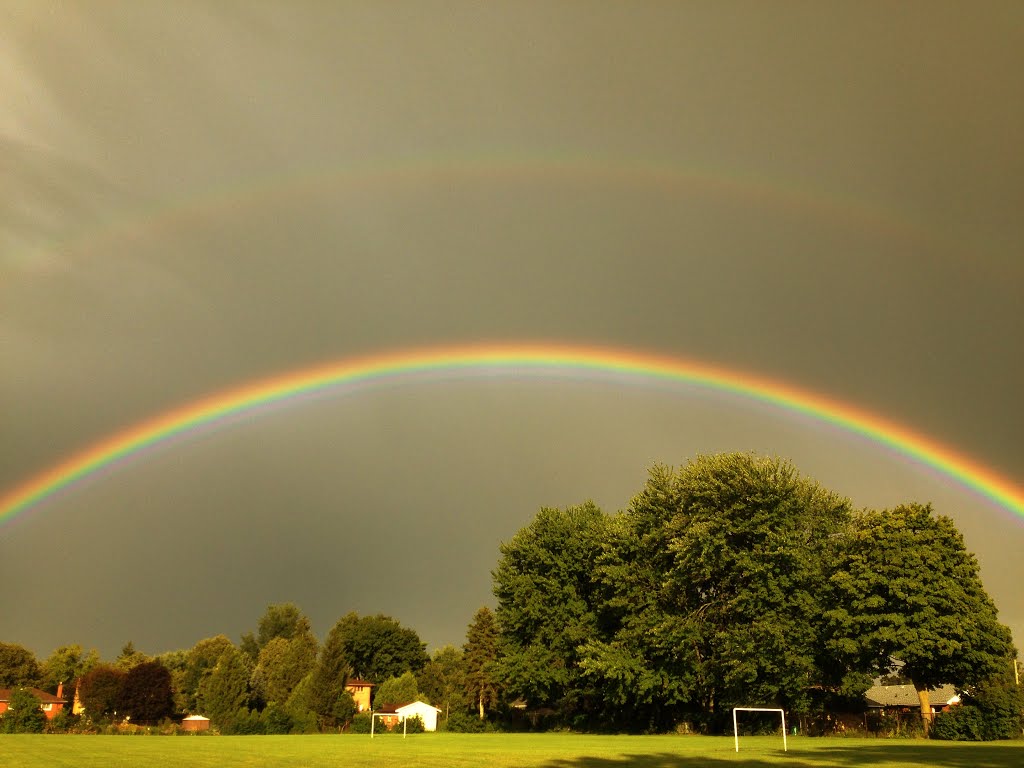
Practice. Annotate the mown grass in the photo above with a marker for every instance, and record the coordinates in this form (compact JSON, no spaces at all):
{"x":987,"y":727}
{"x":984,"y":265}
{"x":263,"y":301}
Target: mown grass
{"x":494,"y":751}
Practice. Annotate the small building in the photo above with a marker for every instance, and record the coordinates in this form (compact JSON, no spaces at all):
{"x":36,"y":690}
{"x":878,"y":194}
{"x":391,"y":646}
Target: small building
{"x":360,"y":690}
{"x":426,"y":713}
{"x":49,"y":703}
{"x":195,"y":723}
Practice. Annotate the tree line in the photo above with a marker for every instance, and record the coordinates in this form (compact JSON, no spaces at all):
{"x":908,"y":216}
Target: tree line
{"x":730,"y":581}
{"x":278,"y":679}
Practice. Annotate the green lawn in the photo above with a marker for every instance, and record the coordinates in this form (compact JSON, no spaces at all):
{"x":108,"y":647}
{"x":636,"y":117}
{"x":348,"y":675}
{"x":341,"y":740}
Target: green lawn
{"x":493,"y":751}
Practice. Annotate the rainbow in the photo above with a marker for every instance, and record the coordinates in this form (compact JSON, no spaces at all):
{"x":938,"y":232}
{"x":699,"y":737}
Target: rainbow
{"x":501,"y":359}
{"x":483,"y":168}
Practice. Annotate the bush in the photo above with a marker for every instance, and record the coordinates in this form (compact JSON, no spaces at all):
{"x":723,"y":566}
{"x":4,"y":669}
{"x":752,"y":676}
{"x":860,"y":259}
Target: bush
{"x":23,"y":714}
{"x":360,"y":723}
{"x":276,"y":720}
{"x":414,"y":725}
{"x":960,"y":724}
{"x":464,"y":722}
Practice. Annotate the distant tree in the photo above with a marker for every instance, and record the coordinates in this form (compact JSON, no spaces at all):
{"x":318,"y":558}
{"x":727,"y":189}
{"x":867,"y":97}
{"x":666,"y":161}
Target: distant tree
{"x":378,"y":647}
{"x":199,"y":662}
{"x":100,"y":691}
{"x":282,"y":663}
{"x":907,"y":592}
{"x":66,"y":665}
{"x":443,"y":680}
{"x":329,"y":699}
{"x":284,"y":620}
{"x":18,"y":667}
{"x":479,"y":661}
{"x":129,"y":657}
{"x":23,"y":714}
{"x":546,"y":590}
{"x":146,"y":693}
{"x":396,"y":691}
{"x":299,"y":707}
{"x":224,"y":692}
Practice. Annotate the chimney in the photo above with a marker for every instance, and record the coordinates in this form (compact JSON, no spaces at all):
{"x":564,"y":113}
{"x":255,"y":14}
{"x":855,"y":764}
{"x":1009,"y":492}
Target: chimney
{"x":60,"y":689}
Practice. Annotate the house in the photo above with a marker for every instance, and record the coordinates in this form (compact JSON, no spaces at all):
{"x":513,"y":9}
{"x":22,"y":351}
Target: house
{"x":360,"y":690}
{"x":904,"y":698}
{"x":49,"y":703}
{"x":392,"y":716}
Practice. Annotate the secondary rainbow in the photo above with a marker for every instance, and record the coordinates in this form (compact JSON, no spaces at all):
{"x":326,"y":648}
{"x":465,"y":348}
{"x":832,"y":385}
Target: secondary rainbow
{"x":503,"y":359}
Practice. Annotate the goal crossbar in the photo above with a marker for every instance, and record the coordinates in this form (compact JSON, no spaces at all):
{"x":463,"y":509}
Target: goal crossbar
{"x":736,"y":730}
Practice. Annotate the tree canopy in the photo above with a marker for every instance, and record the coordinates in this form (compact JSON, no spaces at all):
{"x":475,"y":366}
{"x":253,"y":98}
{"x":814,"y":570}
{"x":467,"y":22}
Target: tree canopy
{"x":908,"y":596}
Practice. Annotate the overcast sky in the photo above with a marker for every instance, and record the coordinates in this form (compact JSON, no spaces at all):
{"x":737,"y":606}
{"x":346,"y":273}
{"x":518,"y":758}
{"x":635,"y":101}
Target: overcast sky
{"x":193,"y":195}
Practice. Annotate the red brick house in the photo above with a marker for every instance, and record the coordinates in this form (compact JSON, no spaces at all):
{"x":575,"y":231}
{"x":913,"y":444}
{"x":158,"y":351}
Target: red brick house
{"x":49,"y":703}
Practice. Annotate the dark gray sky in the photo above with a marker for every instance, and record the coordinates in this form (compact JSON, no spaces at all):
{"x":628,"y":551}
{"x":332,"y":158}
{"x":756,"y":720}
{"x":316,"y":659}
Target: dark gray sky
{"x":197,"y":194}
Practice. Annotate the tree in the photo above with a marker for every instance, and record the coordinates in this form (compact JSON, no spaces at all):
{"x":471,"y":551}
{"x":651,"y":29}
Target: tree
{"x":396,"y":691}
{"x":479,"y":659}
{"x":546,"y":593}
{"x":146,"y":692}
{"x":751,"y":548}
{"x":100,"y":691}
{"x":66,"y":665}
{"x":706,"y":593}
{"x":907,"y":593}
{"x":18,"y":667}
{"x":23,"y":714}
{"x":284,"y":620}
{"x":198,"y":662}
{"x":443,"y":679}
{"x":129,"y":657}
{"x":224,"y":693}
{"x":330,"y":701}
{"x":378,"y":647}
{"x":282,"y":663}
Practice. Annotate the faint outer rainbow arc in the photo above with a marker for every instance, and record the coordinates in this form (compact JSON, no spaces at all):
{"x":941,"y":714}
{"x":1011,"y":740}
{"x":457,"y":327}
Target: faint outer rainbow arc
{"x":515,"y":359}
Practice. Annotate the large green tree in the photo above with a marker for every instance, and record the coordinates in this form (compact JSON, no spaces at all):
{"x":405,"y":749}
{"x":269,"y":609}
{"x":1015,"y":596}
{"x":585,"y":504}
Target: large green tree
{"x":378,"y":647}
{"x":710,"y":593}
{"x":907,"y":595}
{"x":18,"y":666}
{"x":480,"y":659}
{"x":546,"y":590}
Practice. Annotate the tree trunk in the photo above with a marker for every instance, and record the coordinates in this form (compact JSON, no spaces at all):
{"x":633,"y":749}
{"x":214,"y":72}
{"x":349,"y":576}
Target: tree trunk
{"x":926,"y":708}
{"x":480,"y":701}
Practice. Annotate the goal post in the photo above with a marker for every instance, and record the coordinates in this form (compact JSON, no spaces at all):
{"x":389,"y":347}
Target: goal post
{"x":736,"y":730}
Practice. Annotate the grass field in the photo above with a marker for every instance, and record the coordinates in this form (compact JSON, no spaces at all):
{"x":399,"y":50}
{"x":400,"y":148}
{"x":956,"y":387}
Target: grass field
{"x":493,"y":751}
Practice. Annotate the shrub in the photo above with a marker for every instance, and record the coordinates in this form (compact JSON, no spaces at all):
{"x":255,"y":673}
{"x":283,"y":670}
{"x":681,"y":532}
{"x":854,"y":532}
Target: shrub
{"x":23,"y":714}
{"x":360,"y":723}
{"x":963,"y":723}
{"x":414,"y":724}
{"x":464,"y":722}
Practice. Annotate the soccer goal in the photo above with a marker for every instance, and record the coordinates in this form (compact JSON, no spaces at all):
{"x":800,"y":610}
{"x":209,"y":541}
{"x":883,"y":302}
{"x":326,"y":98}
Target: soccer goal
{"x":736,"y":730}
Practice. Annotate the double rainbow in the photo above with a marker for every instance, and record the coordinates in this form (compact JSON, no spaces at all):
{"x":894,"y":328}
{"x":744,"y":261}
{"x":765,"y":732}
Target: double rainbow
{"x":507,"y":360}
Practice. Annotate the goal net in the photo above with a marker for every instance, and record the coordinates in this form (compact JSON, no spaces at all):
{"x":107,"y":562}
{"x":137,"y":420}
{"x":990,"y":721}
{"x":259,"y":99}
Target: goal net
{"x":736,"y":730}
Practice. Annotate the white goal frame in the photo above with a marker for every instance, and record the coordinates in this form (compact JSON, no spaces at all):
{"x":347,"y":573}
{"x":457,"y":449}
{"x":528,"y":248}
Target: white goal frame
{"x":736,"y":730}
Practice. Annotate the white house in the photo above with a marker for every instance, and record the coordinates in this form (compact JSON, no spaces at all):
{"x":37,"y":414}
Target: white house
{"x":426,"y":712}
